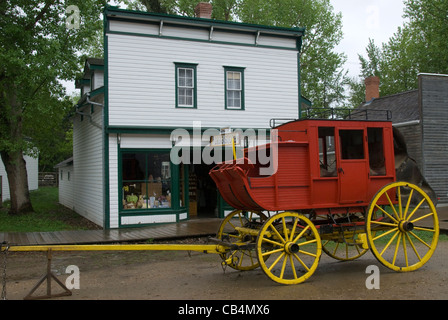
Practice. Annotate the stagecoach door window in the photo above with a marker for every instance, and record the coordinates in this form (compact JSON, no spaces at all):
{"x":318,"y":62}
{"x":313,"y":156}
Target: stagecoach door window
{"x":376,"y":152}
{"x":352,"y":146}
{"x":352,"y":166}
{"x":327,"y":156}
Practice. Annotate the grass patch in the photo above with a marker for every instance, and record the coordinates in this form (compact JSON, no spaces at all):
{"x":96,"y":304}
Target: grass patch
{"x":49,"y":215}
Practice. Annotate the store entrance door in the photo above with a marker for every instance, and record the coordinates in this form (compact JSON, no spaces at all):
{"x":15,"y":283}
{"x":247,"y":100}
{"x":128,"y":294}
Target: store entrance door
{"x":203,"y":193}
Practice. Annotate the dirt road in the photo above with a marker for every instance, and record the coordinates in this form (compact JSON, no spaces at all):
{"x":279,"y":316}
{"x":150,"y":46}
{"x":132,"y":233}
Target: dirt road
{"x":178,"y":275}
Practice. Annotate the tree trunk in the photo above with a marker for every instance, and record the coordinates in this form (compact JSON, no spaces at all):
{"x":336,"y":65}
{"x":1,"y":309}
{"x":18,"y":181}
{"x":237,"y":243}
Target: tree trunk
{"x":11,"y":111}
{"x":15,"y":167}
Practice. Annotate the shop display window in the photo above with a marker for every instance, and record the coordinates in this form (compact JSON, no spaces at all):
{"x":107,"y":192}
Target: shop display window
{"x":146,"y":180}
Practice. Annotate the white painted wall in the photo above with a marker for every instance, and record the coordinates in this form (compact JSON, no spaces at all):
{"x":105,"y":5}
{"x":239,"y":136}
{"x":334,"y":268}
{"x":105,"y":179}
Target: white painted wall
{"x":142,"y":82}
{"x":98,"y":79}
{"x":88,"y":166}
{"x":66,"y":186}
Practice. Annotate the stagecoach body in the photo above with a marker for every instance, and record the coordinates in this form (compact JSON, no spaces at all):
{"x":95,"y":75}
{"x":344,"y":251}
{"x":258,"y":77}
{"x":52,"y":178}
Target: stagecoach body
{"x":325,"y":185}
{"x":315,"y":165}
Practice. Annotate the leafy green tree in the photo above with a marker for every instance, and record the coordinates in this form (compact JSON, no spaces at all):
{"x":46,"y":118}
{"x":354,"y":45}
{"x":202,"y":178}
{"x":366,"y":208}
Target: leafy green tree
{"x":419,"y":46}
{"x":428,"y":24}
{"x":399,"y":65}
{"x":41,"y":43}
{"x":371,"y":66}
{"x":322,"y":74}
{"x":356,"y":92}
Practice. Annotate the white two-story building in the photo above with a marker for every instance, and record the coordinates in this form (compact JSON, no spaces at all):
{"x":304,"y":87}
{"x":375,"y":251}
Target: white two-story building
{"x":163,"y":77}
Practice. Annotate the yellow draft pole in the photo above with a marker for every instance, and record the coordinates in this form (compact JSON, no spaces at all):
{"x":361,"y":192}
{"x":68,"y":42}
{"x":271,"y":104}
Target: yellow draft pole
{"x":206,"y":248}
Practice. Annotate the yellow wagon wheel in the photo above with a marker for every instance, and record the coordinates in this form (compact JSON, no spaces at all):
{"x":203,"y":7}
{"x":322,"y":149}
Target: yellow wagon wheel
{"x":344,"y":244}
{"x":402,"y":226}
{"x":292,"y":243}
{"x":343,"y":251}
{"x":230,"y":231}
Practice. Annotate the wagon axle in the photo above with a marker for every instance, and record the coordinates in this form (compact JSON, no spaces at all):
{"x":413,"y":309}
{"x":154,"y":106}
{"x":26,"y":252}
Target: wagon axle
{"x":406,"y":226}
{"x":292,"y":248}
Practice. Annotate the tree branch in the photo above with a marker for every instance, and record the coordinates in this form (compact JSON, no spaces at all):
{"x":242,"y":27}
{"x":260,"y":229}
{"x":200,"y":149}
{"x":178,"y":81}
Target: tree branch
{"x":40,"y":15}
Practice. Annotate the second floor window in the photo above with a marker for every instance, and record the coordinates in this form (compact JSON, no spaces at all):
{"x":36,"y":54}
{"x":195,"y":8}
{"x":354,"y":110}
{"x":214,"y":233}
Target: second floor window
{"x":185,"y":85}
{"x":234,"y":87}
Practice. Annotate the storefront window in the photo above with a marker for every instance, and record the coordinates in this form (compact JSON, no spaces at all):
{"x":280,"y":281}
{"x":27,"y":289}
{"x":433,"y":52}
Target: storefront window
{"x":146,"y":180}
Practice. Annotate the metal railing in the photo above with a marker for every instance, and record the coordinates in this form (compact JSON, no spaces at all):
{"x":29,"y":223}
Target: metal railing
{"x":347,"y":114}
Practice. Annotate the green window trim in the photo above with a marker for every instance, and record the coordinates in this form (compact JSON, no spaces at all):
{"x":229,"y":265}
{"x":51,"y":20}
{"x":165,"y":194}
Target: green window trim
{"x":234,"y":93}
{"x":184,"y":71}
{"x":175,"y":184}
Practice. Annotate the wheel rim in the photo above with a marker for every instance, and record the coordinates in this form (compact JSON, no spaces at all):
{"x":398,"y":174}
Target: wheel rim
{"x":343,"y":251}
{"x":243,"y":260}
{"x":403,"y":233}
{"x":292,"y":243}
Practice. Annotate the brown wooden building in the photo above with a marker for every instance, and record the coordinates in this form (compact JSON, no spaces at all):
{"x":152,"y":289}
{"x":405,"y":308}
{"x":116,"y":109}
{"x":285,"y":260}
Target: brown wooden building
{"x":421,"y":115}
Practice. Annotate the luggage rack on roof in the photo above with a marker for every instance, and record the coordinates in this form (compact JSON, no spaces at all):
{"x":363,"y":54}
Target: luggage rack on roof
{"x":347,"y":114}
{"x":338,"y":114}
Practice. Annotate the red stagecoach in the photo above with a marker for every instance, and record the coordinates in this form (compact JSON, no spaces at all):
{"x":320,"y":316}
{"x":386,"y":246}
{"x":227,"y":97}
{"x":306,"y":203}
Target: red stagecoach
{"x":329,"y":185}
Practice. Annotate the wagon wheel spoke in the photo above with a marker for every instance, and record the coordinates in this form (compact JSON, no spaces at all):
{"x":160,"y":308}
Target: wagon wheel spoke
{"x":275,"y":243}
{"x":279,"y":236}
{"x":294,"y":226}
{"x":276,"y":261}
{"x":344,"y":244}
{"x":247,"y":254}
{"x":293,"y":244}
{"x":300,"y":235}
{"x":242,"y":259}
{"x":406,"y":236}
{"x":293,"y":269}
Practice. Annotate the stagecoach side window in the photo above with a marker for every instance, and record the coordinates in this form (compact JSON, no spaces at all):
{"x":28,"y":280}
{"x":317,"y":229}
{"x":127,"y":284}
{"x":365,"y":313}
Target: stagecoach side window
{"x":352,"y":146}
{"x":327,"y":157}
{"x":376,"y":152}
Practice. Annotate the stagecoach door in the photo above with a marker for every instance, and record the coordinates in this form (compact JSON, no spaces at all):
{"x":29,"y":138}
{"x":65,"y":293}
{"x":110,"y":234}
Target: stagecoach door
{"x":352,"y":166}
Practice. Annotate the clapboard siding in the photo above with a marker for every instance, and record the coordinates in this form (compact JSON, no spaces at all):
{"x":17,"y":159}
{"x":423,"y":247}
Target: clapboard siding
{"x":66,"y":186}
{"x":88,"y":166}
{"x":97,"y":79}
{"x":434,"y":102}
{"x":142,"y":83}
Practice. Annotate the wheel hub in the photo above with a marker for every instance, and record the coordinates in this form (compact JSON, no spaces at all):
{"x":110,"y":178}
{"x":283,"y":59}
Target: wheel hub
{"x":406,"y":226}
{"x":291,"y":247}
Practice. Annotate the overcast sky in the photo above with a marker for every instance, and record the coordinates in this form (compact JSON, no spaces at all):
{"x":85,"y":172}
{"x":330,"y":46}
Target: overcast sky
{"x":363,"y":19}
